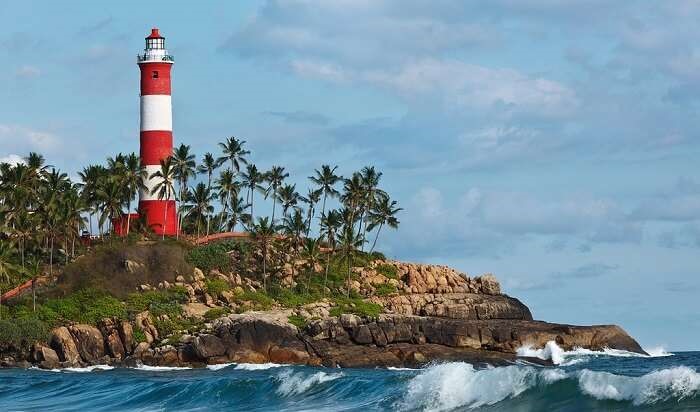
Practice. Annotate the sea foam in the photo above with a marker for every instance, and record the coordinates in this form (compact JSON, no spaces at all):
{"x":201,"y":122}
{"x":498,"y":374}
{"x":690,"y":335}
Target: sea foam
{"x":297,"y":383}
{"x":559,"y":356}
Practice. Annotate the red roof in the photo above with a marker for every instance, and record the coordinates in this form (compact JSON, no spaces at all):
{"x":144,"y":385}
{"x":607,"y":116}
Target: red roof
{"x":155,"y":34}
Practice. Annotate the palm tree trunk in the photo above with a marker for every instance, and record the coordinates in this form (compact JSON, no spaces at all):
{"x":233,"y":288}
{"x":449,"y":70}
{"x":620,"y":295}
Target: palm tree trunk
{"x":348,"y":279}
{"x":379,"y":229}
{"x":51,"y":257}
{"x":325,"y":278}
{"x":128,"y":217}
{"x":274,"y":203}
{"x":165,"y":218}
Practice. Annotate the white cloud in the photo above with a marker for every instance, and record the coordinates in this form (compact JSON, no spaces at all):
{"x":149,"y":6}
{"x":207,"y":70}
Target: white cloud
{"x":14,"y":137}
{"x":12,"y":159}
{"x":28,"y":72}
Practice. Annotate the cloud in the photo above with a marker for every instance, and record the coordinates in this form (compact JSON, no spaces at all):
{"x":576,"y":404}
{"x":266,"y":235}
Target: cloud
{"x":301,"y":116}
{"x":588,"y":271}
{"x":28,"y":72}
{"x":12,"y":159}
{"x":14,"y":137}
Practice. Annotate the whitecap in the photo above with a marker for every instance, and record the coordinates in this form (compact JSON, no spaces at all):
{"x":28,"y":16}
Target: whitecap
{"x":219,"y":366}
{"x":257,"y":366}
{"x":149,"y":368}
{"x":90,"y":368}
{"x":453,"y":385}
{"x":559,"y":356}
{"x":297,"y":383}
{"x":675,"y":383}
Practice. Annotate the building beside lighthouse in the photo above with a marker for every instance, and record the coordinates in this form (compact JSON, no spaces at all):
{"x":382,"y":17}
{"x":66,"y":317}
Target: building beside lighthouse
{"x":156,"y":132}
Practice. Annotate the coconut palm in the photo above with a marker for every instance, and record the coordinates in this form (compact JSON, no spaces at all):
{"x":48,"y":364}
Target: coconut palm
{"x":235,"y":213}
{"x":275,"y":177}
{"x":111,"y":198}
{"x":234,"y":153}
{"x":331,"y":223}
{"x":208,"y":166}
{"x":8,"y":268}
{"x":311,"y":253}
{"x":91,"y":176}
{"x":132,"y":179}
{"x":326,"y":179}
{"x":311,"y":199}
{"x":372,"y":193}
{"x":348,"y":243}
{"x":293,"y":226}
{"x":252,"y":179}
{"x":383,"y":213}
{"x":184,"y":168}
{"x":165,"y":187}
{"x":199,"y":205}
{"x":288,"y":197}
{"x":263,"y":232}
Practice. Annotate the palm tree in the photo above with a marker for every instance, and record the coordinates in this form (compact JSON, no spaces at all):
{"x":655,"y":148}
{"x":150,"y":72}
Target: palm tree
{"x":275,"y":177}
{"x":310,"y":252}
{"x":293,"y":226}
{"x":132,"y":179}
{"x":90,"y":176}
{"x":383,"y":213}
{"x":234,"y":153}
{"x":165,"y":187}
{"x":252,"y":179}
{"x":236,"y":213}
{"x":370,"y":183}
{"x":200,"y":205}
{"x":353,"y":196}
{"x":330,"y":224}
{"x":348,"y":243}
{"x":312,"y":198}
{"x":184,"y":167}
{"x":262,"y":233}
{"x":226,"y":187}
{"x":288,"y":197}
{"x":208,"y":165}
{"x":111,"y":198}
{"x":326,"y":179}
{"x":7,"y":266}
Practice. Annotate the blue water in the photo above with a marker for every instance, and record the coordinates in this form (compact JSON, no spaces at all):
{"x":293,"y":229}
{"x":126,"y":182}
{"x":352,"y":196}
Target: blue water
{"x":578,"y":383}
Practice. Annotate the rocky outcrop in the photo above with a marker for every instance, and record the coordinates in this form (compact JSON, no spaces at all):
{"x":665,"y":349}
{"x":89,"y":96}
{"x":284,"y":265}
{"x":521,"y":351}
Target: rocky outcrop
{"x":456,"y":306}
{"x":89,"y":341}
{"x":62,"y":342}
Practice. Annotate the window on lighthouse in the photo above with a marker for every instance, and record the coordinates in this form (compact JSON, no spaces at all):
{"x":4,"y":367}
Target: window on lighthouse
{"x":156,"y":43}
{"x":155,"y":74}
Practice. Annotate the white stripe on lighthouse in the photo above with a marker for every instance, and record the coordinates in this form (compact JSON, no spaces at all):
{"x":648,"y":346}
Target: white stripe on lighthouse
{"x":156,"y":112}
{"x":151,"y":183}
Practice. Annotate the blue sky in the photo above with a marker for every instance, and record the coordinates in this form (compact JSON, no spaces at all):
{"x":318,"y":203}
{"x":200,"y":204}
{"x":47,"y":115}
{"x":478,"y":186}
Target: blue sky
{"x":553,"y":143}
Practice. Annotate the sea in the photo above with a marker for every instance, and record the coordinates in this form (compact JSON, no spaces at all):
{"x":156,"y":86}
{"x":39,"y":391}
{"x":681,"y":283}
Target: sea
{"x":580,"y":380}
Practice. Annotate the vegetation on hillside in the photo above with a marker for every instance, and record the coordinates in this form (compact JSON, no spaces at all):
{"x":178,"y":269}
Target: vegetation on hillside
{"x":48,"y":222}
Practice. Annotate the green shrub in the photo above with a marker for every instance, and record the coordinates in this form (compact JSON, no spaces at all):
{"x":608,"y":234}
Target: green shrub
{"x":213,"y":256}
{"x":84,"y":306}
{"x":355,"y":306}
{"x":388,"y":270}
{"x":290,"y":298}
{"x":158,"y":301}
{"x":385,"y":289}
{"x":298,"y":321}
{"x":260,"y":300}
{"x":139,"y":335}
{"x":216,"y":286}
{"x":22,"y":333}
{"x":216,"y":313}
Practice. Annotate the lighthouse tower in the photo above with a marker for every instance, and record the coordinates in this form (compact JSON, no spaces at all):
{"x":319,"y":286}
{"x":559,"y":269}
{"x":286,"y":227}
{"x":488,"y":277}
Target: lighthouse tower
{"x":156,"y":132}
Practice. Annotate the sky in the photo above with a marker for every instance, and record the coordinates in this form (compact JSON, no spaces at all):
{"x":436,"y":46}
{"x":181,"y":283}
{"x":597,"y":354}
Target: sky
{"x":553,"y":143}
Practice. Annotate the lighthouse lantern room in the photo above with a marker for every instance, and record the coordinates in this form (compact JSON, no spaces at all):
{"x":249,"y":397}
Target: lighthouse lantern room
{"x":156,"y":140}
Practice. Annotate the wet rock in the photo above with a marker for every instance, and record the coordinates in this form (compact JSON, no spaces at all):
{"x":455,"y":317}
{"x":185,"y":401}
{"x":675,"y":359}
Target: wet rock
{"x":207,"y":346}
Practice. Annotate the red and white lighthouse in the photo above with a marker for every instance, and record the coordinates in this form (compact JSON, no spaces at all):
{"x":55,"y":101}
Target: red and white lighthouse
{"x":156,"y":132}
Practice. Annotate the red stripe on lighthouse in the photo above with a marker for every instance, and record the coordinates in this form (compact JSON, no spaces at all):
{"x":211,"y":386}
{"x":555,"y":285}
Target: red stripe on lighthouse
{"x":155,"y":78}
{"x":156,"y":145}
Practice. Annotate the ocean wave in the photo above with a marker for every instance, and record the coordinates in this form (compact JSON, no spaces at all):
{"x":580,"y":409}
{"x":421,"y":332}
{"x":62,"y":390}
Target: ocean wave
{"x":298,"y":383}
{"x":559,"y":356}
{"x":150,"y":368}
{"x":219,"y":366}
{"x":459,"y":385}
{"x":77,"y":370}
{"x":452,"y":385}
{"x":676,"y":383}
{"x":257,"y":366}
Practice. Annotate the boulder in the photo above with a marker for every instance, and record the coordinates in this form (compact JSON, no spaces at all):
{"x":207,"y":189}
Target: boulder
{"x":89,"y":341}
{"x":46,"y":357}
{"x":114,"y":344}
{"x":143,"y":321}
{"x":62,"y":342}
{"x":141,"y":349}
{"x":126,"y":334}
{"x":207,"y":346}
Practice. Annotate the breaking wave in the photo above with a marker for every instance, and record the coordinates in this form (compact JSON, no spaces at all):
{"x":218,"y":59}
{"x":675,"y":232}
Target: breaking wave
{"x":559,"y":356}
{"x":298,"y":383}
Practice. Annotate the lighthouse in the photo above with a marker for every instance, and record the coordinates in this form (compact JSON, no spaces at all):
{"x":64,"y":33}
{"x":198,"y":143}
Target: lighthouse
{"x":156,"y":140}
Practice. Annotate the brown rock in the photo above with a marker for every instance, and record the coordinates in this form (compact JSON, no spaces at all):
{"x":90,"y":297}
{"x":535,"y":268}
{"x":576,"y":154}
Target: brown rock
{"x":89,"y":341}
{"x":62,"y":342}
{"x":141,"y":349}
{"x":288,"y":355}
{"x":207,"y":346}
{"x":126,"y":334}
{"x":45,"y":356}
